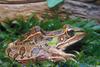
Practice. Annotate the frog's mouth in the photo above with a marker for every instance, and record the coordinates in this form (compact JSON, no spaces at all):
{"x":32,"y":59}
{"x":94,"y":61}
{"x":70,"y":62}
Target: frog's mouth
{"x":78,"y":35}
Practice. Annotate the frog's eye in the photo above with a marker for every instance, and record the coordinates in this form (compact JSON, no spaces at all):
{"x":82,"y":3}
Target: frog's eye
{"x":71,"y":32}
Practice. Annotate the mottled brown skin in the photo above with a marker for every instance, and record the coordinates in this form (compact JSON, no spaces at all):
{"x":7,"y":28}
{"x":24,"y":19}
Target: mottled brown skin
{"x":34,"y":45}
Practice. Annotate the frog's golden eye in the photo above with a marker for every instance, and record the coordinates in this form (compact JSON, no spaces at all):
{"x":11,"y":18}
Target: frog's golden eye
{"x":71,"y":32}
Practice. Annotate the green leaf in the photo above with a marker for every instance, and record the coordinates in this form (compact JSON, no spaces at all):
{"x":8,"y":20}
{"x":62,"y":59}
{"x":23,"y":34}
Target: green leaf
{"x":90,"y":23}
{"x":96,"y":27}
{"x":53,"y":42}
{"x":53,"y":3}
{"x":6,"y":26}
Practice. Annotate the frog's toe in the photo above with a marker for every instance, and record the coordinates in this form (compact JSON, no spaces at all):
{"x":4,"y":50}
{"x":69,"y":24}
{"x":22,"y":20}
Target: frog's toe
{"x":57,"y":58}
{"x":69,"y":55}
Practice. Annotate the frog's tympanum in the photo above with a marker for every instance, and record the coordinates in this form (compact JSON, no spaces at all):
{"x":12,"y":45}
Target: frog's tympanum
{"x":39,"y":45}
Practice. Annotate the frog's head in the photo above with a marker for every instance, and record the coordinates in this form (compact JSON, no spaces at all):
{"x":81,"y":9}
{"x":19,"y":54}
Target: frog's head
{"x":74,"y":35}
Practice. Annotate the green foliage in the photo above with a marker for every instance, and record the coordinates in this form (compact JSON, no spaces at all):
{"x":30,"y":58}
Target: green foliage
{"x":53,"y":42}
{"x":53,"y":3}
{"x":51,"y":24}
{"x":89,"y":55}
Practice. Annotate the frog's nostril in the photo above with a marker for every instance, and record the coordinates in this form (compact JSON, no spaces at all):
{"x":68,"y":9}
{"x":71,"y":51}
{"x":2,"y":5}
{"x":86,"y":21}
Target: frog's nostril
{"x":71,"y":32}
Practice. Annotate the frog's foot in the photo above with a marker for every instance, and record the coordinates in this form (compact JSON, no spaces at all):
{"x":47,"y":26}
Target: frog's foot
{"x":58,"y":55}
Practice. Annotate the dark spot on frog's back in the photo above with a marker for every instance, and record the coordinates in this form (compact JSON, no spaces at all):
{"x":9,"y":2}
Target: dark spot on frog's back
{"x":18,"y":43}
{"x":15,"y":55}
{"x":22,"y":50}
{"x":35,"y":51}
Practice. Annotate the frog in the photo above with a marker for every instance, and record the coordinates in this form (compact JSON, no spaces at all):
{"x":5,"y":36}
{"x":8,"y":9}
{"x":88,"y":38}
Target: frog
{"x":40,"y":45}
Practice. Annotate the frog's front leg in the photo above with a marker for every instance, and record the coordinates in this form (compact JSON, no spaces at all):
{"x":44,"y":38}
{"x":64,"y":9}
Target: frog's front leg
{"x":44,"y":55}
{"x":58,"y":55}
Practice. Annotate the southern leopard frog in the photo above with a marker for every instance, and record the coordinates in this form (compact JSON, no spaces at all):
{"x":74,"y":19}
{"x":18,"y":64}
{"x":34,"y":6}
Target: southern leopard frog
{"x":37,"y":44}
